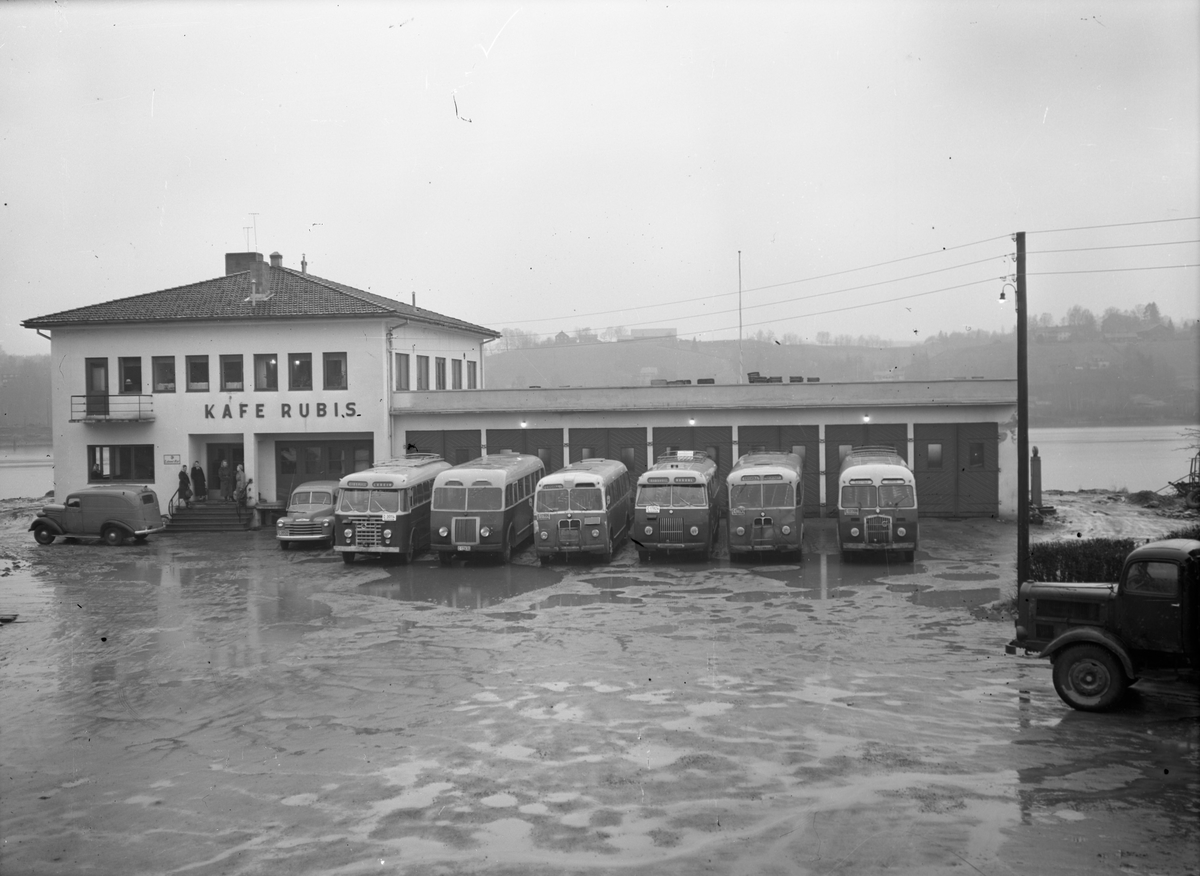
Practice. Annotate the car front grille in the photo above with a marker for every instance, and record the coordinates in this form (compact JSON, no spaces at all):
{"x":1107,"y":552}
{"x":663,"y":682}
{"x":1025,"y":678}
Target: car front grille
{"x":301,"y":530}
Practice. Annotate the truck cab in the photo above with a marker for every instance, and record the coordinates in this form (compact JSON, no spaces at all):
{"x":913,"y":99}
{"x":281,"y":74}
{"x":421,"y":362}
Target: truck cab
{"x":1101,"y":638}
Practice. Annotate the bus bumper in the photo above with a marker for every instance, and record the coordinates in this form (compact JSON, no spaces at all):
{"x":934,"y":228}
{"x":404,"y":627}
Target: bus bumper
{"x":894,"y":546}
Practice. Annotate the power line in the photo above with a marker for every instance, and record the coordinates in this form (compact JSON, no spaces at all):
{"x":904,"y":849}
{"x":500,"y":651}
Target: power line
{"x":1116,"y":225}
{"x":1112,"y":270}
{"x":1114,"y":246}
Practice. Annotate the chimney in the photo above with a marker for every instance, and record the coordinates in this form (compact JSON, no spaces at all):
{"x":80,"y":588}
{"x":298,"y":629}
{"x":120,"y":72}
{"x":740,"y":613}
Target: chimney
{"x":237,"y":262}
{"x":303,"y":264}
{"x":276,"y":260}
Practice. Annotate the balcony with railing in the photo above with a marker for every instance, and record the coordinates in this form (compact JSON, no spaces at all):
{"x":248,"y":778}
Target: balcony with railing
{"x":112,"y":408}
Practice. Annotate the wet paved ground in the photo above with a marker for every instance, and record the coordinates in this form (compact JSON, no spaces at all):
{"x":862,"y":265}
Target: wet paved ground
{"x":212,"y":705}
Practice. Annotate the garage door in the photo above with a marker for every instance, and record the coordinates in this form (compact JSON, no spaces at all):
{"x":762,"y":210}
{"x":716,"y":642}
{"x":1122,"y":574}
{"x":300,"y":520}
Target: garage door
{"x":456,"y":446}
{"x":627,"y":445}
{"x":545,"y":443}
{"x":957,"y":467}
{"x":802,"y":440}
{"x":840,"y":438}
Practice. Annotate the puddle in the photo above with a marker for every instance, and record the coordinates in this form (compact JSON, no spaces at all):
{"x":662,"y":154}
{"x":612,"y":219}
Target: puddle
{"x":967,"y":576}
{"x":461,"y":585}
{"x":755,"y":596}
{"x":560,"y":600}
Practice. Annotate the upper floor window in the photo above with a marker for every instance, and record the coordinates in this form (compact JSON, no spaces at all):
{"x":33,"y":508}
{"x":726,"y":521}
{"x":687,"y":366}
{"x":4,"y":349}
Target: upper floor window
{"x":231,"y":374}
{"x":130,"y":375}
{"x":197,"y":373}
{"x":300,"y":371}
{"x":456,"y":374}
{"x":439,"y":373}
{"x":402,"y":372}
{"x":266,"y":372}
{"x":471,"y":381}
{"x":422,"y":372}
{"x":163,"y":373}
{"x":335,"y":370}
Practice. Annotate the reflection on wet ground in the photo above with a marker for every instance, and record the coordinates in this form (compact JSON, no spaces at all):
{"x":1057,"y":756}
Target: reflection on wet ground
{"x":205,"y":708}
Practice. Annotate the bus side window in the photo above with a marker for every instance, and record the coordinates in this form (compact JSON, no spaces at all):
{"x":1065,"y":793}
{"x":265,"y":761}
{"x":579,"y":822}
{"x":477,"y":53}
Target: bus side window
{"x":510,"y":495}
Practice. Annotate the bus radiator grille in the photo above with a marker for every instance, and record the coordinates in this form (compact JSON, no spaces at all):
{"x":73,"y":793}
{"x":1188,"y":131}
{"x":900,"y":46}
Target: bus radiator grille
{"x":367,"y":533}
{"x":671,"y":528}
{"x":879,"y":529}
{"x":466,"y":530}
{"x":568,"y":532}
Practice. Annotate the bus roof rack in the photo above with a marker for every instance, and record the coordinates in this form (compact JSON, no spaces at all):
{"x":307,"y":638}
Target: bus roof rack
{"x":682,"y":456}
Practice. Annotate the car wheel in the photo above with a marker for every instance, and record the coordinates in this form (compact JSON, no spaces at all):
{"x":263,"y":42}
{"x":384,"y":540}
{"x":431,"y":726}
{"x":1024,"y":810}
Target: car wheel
{"x":347,"y":557}
{"x":43,"y":535}
{"x":284,"y":545}
{"x":1089,"y":678}
{"x":113,"y":536}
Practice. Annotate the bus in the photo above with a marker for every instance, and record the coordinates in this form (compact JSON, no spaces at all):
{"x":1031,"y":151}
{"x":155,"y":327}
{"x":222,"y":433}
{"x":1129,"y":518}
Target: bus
{"x":877,"y":503}
{"x":385,"y":509}
{"x":677,"y":506}
{"x":766,"y":504}
{"x":583,"y":508}
{"x":484,"y":506}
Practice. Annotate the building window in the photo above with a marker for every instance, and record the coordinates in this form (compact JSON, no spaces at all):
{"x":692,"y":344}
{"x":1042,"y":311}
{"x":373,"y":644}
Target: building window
{"x":471,"y":381}
{"x":197,"y":373}
{"x":335,"y":370}
{"x":299,"y":370}
{"x":231,"y":374}
{"x":975,"y":454}
{"x":131,"y":374}
{"x":439,"y":373}
{"x":164,"y":373}
{"x":402,"y":372}
{"x":934,"y":456}
{"x":120,"y":462}
{"x":422,"y":372}
{"x":266,"y":372}
{"x":456,"y":374}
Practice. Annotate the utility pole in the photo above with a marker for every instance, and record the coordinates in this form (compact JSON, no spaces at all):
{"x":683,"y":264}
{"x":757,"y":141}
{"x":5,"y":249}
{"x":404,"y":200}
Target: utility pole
{"x":1022,"y":421}
{"x":741,"y":362}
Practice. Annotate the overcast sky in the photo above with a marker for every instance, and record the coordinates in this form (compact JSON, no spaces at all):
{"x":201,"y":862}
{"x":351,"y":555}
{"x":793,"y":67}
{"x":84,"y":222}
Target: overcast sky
{"x":550,"y":166}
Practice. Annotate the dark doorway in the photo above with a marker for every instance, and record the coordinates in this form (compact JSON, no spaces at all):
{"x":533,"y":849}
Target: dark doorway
{"x":231,"y":453}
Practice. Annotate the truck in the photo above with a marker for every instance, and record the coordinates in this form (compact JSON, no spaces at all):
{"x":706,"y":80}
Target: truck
{"x":1101,"y":637}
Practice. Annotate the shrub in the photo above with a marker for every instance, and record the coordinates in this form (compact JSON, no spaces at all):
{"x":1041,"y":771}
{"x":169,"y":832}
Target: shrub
{"x":1089,"y":559}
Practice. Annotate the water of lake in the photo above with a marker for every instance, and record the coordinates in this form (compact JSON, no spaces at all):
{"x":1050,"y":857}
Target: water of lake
{"x":1131,"y":457}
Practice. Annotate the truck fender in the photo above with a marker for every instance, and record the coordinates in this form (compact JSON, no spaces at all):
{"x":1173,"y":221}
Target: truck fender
{"x":52,"y":525}
{"x":1094,"y":637}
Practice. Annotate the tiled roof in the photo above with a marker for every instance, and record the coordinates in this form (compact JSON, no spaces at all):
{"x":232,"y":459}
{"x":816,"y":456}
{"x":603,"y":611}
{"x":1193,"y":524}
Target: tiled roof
{"x":293,"y":295}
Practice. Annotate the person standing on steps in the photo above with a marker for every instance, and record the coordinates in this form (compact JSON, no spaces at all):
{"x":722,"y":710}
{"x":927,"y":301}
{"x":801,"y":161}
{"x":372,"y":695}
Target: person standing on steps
{"x":239,"y":494}
{"x":199,"y":484}
{"x":225,"y":479}
{"x":185,"y":487}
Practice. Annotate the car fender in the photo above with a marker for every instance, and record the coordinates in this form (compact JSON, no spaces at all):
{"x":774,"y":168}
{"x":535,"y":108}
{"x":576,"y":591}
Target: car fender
{"x":52,"y":525}
{"x":1091,"y":636}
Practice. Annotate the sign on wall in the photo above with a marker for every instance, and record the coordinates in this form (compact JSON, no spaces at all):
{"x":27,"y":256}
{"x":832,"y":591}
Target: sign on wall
{"x":171,"y":459}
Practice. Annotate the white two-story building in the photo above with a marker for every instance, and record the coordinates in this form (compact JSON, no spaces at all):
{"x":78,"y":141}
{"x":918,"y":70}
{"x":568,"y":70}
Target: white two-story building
{"x":283,"y":372}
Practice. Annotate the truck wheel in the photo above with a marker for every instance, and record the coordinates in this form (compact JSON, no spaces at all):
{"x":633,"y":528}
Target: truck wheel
{"x":1089,"y":678}
{"x":1193,"y":499}
{"x":347,"y":557}
{"x":43,"y":535}
{"x":112,"y":535}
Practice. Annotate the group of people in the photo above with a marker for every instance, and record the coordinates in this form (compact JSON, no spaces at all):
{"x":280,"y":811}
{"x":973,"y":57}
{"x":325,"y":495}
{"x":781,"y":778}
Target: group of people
{"x":194,"y":487}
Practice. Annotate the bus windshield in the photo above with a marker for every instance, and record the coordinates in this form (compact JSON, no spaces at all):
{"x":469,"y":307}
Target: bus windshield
{"x":558,"y":498}
{"x":896,"y":496}
{"x":885,"y":496}
{"x":372,"y":502}
{"x":468,"y":499}
{"x":762,"y":496}
{"x":672,"y":495}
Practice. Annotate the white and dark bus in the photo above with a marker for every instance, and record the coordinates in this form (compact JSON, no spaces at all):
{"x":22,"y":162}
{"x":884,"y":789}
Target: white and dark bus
{"x":678,"y":506}
{"x":484,"y":506}
{"x":385,"y":509}
{"x":583,"y":508}
{"x":766,"y":504}
{"x":877,"y":503}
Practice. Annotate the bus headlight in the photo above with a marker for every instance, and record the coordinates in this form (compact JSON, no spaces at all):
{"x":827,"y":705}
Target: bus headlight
{"x":695,"y":530}
{"x":900,"y":531}
{"x":787,"y":530}
{"x":741,"y":530}
{"x":387,"y":533}
{"x":649,"y":530}
{"x":544,"y":535}
{"x":485,"y":531}
{"x":854,"y":531}
{"x":348,"y":532}
{"x":595,"y":533}
{"x":443,"y":532}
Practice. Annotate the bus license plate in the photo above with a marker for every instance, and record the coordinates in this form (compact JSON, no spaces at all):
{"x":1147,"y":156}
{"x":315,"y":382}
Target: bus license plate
{"x":464,"y":547}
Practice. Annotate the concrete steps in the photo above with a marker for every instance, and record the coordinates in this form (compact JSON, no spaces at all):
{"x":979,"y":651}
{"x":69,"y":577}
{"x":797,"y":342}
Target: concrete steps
{"x":211,"y":516}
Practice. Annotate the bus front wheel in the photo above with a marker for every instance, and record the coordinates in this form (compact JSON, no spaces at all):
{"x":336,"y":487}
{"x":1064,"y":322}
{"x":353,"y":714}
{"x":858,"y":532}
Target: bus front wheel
{"x":347,"y":557}
{"x":445,"y":557}
{"x":409,"y":553}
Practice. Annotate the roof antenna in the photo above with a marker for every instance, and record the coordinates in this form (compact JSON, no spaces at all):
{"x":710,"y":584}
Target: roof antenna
{"x":414,"y":299}
{"x":246,"y":228}
{"x":255,"y":220}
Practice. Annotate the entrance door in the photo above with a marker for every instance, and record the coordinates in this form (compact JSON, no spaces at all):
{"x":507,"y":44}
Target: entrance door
{"x":233,"y":454}
{"x":97,"y":387}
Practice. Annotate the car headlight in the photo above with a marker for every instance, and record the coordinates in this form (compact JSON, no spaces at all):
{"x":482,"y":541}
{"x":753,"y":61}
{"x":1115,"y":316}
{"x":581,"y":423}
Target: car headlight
{"x":900,"y":531}
{"x":741,"y":530}
{"x":649,"y":530}
{"x":544,"y":535}
{"x":348,"y":532}
{"x":443,"y":532}
{"x":787,"y":530}
{"x":327,"y":523}
{"x":279,"y":523}
{"x":387,"y":533}
{"x":485,"y":531}
{"x":854,"y":531}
